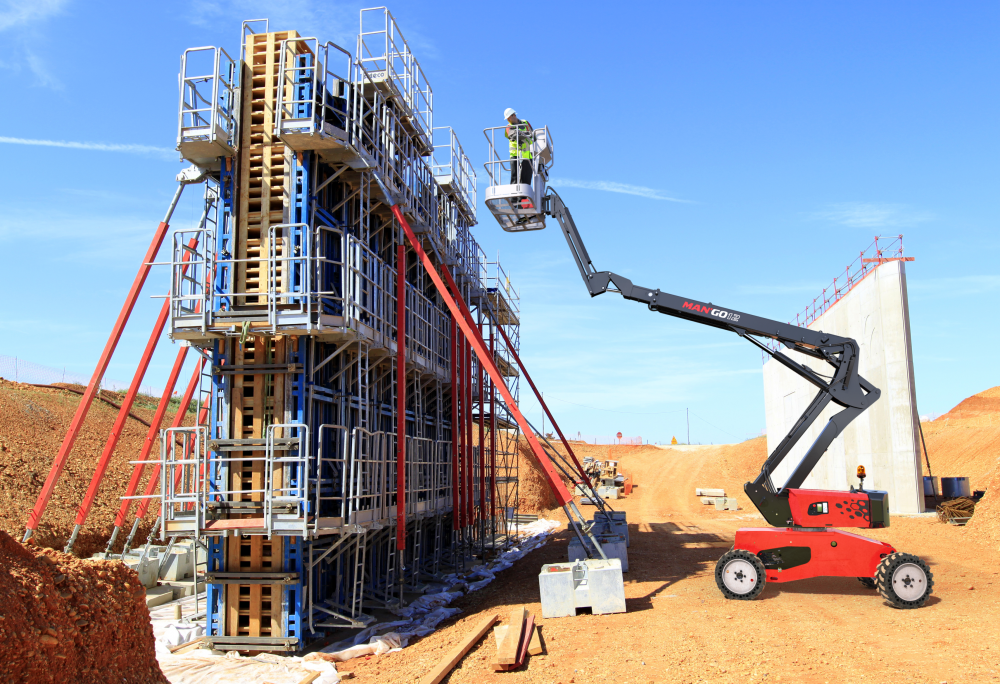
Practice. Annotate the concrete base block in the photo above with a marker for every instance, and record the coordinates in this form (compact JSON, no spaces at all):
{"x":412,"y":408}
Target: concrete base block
{"x":723,"y":503}
{"x":607,"y":492}
{"x":594,"y":584}
{"x":613,"y":546}
{"x":147,"y":568}
{"x":619,"y":518}
{"x":702,"y":491}
{"x":157,"y":596}
{"x":178,"y":564}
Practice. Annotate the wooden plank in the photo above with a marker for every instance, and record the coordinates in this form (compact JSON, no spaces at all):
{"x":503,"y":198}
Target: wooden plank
{"x":447,"y":663}
{"x":535,"y":642}
{"x":511,"y":643}
{"x":522,"y":651}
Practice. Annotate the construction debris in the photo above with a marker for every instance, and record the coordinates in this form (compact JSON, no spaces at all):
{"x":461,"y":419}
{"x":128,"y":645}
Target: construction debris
{"x":957,"y":511}
{"x":442,"y":669}
{"x":69,"y":620}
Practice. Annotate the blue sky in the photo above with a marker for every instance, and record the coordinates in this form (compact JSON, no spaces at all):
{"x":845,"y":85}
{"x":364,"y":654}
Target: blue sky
{"x":733,"y":152}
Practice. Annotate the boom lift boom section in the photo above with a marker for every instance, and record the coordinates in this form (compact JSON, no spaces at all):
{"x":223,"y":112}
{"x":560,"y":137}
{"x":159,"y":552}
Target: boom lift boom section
{"x":845,"y":387}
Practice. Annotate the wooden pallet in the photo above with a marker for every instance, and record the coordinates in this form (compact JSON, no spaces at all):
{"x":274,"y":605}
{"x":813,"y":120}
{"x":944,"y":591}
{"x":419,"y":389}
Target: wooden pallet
{"x":257,"y":400}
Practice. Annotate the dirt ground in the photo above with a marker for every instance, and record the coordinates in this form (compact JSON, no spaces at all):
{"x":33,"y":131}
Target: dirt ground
{"x":679,"y":628}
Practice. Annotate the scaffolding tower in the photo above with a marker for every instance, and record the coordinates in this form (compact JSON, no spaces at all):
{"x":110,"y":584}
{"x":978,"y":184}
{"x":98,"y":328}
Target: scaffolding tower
{"x":293,"y":288}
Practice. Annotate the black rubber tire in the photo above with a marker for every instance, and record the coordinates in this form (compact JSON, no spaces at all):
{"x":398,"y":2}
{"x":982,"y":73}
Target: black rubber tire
{"x":868,"y":582}
{"x":740,"y":554}
{"x":883,"y":579}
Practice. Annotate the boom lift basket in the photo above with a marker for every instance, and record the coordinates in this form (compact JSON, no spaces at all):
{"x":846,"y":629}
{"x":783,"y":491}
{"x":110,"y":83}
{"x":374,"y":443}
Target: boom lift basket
{"x":518,"y":206}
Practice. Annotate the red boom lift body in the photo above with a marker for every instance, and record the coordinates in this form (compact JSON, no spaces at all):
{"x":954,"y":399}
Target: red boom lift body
{"x":803,"y":541}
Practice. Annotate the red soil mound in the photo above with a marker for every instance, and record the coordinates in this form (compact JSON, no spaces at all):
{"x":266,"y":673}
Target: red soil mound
{"x":67,"y":620}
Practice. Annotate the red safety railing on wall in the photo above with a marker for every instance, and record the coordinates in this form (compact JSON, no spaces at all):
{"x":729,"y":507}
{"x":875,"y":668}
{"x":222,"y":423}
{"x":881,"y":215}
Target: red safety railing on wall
{"x":883,"y":249}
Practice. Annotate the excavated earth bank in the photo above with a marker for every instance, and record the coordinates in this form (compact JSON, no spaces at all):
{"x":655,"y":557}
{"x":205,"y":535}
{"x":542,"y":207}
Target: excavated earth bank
{"x":63,"y":619}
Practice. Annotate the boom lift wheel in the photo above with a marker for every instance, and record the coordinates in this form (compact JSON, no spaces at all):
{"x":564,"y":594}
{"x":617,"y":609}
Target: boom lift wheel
{"x":740,"y":575}
{"x":904,"y":580}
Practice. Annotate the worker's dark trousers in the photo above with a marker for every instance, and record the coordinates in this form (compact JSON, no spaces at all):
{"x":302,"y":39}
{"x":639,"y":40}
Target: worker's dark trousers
{"x":525,"y":171}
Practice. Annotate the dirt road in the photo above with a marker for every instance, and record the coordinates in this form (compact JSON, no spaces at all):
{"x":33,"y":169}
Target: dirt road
{"x":679,"y":628}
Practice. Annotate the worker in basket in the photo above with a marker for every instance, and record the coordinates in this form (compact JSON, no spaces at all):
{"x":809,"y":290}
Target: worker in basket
{"x":518,"y":132}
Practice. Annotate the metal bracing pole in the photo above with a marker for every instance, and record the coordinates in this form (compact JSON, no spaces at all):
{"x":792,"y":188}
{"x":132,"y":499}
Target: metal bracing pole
{"x":470,"y":501}
{"x":459,"y":311}
{"x":455,"y":494}
{"x":102,"y":365}
{"x":147,"y":446}
{"x":493,"y":438}
{"x":545,"y":408}
{"x":401,"y":401}
{"x":123,"y":412}
{"x":482,"y":447}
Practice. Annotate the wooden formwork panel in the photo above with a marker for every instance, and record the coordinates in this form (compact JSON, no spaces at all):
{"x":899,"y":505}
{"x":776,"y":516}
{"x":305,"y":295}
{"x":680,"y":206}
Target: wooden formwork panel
{"x":264,"y":164}
{"x":258,"y":400}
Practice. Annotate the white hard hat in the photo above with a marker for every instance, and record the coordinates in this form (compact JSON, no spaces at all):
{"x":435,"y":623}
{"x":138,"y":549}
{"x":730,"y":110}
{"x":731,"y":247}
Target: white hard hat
{"x":507,"y":113}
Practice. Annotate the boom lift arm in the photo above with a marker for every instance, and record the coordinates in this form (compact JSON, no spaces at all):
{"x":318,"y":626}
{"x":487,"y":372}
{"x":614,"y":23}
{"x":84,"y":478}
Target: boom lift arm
{"x":845,"y":387}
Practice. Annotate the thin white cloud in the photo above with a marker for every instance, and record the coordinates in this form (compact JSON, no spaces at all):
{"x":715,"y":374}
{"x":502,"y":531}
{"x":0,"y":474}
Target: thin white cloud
{"x":622,"y":188}
{"x":102,"y":147}
{"x":15,"y":13}
{"x":871,"y":215}
{"x":18,"y":52}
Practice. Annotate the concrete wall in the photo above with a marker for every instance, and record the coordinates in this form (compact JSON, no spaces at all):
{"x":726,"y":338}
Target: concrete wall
{"x":884,"y":438}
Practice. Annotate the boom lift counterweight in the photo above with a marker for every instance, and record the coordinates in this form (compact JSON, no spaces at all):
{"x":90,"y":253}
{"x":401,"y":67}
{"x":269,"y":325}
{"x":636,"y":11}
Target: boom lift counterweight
{"x":802,"y":542}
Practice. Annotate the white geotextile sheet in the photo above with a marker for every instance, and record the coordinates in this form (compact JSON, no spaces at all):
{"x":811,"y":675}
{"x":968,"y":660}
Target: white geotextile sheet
{"x":200,"y":666}
{"x":420,"y":618}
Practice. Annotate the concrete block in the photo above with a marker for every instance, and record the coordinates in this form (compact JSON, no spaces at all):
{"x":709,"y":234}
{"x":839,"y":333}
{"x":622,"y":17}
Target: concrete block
{"x":157,"y":596}
{"x":603,"y":525}
{"x":723,"y":503}
{"x":178,"y":564}
{"x":607,"y":492}
{"x":594,"y":584}
{"x":701,"y":491}
{"x":613,"y":546}
{"x":147,"y":568}
{"x":182,"y":589}
{"x":708,"y":500}
{"x":619,"y":518}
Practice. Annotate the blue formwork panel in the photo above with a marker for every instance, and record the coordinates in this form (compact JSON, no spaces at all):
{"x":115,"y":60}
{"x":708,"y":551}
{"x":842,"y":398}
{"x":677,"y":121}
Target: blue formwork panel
{"x":215,"y":594}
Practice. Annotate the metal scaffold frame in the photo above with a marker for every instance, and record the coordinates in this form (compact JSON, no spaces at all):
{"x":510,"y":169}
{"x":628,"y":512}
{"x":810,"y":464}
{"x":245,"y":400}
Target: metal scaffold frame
{"x":356,"y":436}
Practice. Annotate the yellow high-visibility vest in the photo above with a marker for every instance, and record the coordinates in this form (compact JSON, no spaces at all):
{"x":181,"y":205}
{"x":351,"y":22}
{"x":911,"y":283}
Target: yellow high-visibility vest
{"x":524,"y":146}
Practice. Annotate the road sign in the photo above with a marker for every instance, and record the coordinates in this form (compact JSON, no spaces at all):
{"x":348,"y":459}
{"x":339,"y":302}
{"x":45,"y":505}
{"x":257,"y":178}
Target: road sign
{"x":619,"y":435}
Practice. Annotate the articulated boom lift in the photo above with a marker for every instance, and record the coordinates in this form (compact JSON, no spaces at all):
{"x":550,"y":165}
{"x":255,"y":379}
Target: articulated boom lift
{"x":803,"y":542}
